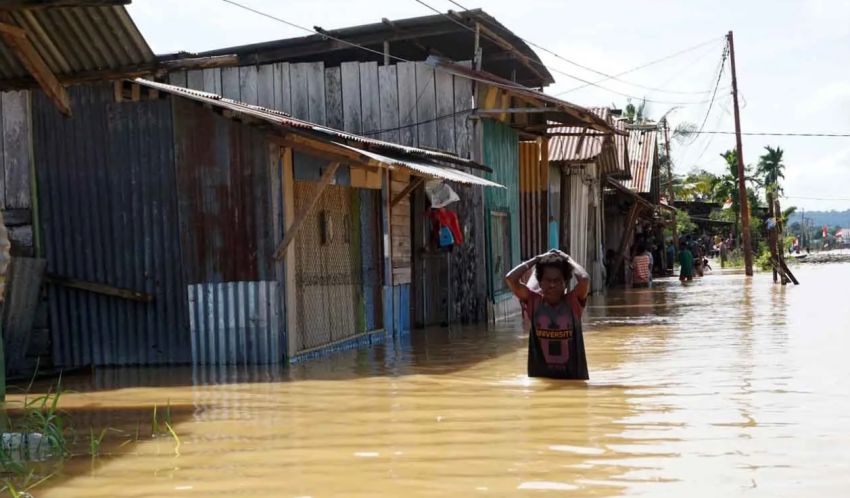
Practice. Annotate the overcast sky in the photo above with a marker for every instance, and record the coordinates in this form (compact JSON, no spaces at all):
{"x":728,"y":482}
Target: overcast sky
{"x":792,"y":59}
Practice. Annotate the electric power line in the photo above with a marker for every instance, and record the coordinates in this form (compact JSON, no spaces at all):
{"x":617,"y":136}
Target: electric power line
{"x":716,"y":86}
{"x":313,"y":30}
{"x":647,"y":64}
{"x":411,"y":125}
{"x":568,"y":61}
{"x":817,"y":198}
{"x":556,"y":70}
{"x":776,"y":134}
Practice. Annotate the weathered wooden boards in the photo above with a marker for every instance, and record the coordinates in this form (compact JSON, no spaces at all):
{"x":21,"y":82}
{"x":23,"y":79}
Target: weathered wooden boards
{"x":409,"y":103}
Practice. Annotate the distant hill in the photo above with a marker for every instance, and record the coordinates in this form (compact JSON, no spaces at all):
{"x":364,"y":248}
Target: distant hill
{"x":828,"y":218}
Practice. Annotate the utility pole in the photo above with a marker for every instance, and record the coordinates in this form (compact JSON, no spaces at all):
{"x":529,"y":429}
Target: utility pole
{"x":670,"y":191}
{"x":743,"y":202}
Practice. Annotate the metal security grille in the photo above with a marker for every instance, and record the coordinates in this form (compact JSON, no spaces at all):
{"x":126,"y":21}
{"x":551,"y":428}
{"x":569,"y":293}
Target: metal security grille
{"x":500,"y":231}
{"x":338,"y":277}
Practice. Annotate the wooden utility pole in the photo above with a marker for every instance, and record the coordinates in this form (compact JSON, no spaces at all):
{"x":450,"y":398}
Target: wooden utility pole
{"x":743,"y":202}
{"x":670,"y":190}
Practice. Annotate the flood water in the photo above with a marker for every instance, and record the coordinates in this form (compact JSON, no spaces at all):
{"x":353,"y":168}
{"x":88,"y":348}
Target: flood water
{"x":723,"y":387}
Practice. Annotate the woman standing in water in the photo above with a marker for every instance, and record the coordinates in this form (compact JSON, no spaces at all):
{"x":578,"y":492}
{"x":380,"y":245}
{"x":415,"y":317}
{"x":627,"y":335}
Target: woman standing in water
{"x":555,"y":342}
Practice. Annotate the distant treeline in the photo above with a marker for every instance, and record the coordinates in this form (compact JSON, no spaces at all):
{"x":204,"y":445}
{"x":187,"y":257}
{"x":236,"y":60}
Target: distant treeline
{"x":820,"y":218}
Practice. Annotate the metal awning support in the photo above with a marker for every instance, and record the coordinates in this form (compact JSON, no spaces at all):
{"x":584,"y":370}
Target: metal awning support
{"x":16,"y":38}
{"x":293,"y":229}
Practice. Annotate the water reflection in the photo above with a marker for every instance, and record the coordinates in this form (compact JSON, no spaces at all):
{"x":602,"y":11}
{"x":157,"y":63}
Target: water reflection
{"x":716,"y":388}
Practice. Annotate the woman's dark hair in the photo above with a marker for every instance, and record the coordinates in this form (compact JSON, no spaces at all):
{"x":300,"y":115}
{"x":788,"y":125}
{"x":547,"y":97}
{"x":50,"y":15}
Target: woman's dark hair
{"x":641,"y":247}
{"x":556,"y":262}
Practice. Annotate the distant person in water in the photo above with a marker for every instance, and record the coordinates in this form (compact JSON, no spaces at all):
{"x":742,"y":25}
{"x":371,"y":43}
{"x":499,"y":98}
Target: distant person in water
{"x":641,"y":267}
{"x":686,"y":262}
{"x":555,"y":341}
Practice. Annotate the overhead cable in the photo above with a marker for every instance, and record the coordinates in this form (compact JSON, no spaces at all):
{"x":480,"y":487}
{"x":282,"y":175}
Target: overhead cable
{"x":556,"y":70}
{"x":586,"y":68}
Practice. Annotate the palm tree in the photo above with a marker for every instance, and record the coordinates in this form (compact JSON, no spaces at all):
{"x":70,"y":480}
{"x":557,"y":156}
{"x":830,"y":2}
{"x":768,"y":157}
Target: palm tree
{"x":771,"y":168}
{"x":636,"y":114}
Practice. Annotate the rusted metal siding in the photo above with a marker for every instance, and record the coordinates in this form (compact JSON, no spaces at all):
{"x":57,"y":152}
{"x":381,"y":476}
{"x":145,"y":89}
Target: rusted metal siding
{"x":225,"y":216}
{"x":533,"y":198}
{"x":643,"y":145}
{"x":77,"y":39}
{"x":227,"y":241}
{"x":109,"y":215}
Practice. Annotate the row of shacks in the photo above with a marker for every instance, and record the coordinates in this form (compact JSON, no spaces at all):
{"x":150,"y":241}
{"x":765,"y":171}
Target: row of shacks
{"x":266,"y":203}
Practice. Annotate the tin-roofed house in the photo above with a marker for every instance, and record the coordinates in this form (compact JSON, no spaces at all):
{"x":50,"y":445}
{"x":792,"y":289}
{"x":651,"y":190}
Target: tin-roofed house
{"x":387,"y":87}
{"x":633,"y":210}
{"x":193,"y":228}
{"x":583,"y":159}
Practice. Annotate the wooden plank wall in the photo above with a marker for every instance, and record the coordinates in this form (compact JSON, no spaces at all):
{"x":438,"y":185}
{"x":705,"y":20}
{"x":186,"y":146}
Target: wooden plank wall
{"x":385,"y":102}
{"x":15,"y":167}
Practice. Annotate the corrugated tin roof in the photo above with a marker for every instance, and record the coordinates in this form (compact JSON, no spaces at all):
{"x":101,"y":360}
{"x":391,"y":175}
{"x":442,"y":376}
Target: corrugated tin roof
{"x":621,"y":187}
{"x":451,"y":34}
{"x":575,"y":145}
{"x":282,"y":119}
{"x":427,"y":170}
{"x":77,"y":39}
{"x":643,"y":142}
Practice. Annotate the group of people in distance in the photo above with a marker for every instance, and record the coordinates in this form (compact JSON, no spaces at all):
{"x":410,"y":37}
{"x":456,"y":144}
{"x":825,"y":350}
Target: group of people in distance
{"x":692,"y":260}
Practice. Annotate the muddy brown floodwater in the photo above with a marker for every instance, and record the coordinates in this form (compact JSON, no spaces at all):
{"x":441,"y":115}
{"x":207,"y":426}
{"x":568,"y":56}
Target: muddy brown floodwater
{"x":720,"y":388}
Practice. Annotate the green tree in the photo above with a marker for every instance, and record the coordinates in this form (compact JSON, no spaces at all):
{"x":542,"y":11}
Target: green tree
{"x":771,"y":169}
{"x":697,"y":185}
{"x":636,"y":114}
{"x":684,"y":225}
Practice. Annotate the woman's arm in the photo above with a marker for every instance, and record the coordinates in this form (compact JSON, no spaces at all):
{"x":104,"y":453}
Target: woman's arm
{"x":513,"y":278}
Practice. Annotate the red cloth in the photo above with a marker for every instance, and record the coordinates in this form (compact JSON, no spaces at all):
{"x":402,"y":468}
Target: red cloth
{"x":448,"y":218}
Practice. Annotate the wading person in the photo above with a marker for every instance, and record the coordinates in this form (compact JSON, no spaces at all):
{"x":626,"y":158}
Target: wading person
{"x":555,"y":341}
{"x":686,"y":263}
{"x":642,"y":267}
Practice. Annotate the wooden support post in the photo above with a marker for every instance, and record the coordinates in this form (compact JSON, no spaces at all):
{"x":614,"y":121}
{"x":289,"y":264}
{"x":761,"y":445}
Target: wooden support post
{"x":419,"y":180}
{"x":16,"y":39}
{"x":779,"y":230}
{"x":292,"y":230}
{"x":772,"y":240}
{"x":289,"y":267}
{"x":628,"y":233}
{"x":386,"y":53}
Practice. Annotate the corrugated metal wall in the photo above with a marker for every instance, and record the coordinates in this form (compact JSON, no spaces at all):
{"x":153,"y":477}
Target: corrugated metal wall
{"x":227,"y":231}
{"x":386,"y":102}
{"x":108,"y":205}
{"x":500,"y":147}
{"x":578,"y":214}
{"x":584,"y":213}
{"x":534,"y":200}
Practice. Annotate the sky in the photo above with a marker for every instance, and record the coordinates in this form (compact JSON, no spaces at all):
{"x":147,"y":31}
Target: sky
{"x":791,"y":57}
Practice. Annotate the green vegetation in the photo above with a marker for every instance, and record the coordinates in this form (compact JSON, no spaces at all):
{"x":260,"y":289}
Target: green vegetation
{"x":704,"y":186}
{"x":37,"y":437}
